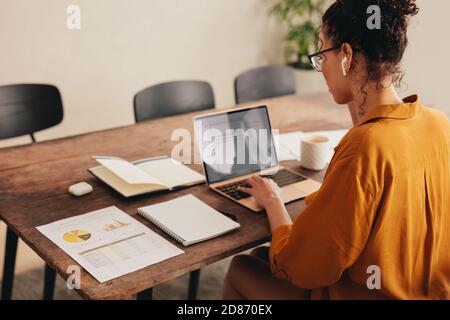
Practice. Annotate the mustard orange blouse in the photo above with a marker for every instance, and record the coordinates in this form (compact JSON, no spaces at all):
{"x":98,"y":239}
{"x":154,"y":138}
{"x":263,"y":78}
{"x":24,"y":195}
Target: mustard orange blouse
{"x":384,"y":202}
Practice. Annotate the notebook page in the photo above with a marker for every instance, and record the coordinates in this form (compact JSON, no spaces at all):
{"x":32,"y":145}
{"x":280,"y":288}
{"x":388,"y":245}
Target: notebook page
{"x":171,"y":172}
{"x":127,"y":171}
{"x":190,"y":218}
{"x":288,"y":145}
{"x":124,"y":188}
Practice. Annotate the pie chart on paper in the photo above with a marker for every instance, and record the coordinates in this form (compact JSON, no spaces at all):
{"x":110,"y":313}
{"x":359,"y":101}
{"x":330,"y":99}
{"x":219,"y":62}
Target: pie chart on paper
{"x":76,"y":236}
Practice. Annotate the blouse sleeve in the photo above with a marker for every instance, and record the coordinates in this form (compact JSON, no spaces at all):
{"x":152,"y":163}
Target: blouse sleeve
{"x":328,"y":236}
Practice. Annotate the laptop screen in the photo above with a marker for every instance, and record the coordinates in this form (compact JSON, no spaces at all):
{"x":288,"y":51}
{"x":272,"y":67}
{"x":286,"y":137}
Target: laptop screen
{"x":235,"y":143}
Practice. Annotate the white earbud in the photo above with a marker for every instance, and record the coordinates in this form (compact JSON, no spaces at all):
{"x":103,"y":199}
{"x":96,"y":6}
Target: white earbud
{"x":344,"y":62}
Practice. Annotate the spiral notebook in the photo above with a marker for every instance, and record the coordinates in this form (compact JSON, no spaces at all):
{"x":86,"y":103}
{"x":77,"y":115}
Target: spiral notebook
{"x":188,"y":220}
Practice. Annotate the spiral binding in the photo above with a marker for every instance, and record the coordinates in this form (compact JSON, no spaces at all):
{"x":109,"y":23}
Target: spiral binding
{"x":162,"y":227}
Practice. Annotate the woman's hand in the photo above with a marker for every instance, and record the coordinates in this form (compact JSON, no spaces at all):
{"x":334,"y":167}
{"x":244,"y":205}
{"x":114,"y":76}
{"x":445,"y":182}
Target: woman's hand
{"x":264,"y":191}
{"x":268,"y":196}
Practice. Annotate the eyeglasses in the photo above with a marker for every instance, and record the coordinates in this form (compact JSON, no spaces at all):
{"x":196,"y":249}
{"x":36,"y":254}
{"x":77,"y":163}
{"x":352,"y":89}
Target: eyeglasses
{"x":318,"y":58}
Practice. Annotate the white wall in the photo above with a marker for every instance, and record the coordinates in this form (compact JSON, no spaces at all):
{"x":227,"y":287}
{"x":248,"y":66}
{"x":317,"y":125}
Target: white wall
{"x":426,"y":62}
{"x":124,"y":46}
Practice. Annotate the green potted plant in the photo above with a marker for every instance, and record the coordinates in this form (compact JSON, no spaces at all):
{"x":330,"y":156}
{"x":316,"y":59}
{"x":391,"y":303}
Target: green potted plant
{"x":302,"y":18}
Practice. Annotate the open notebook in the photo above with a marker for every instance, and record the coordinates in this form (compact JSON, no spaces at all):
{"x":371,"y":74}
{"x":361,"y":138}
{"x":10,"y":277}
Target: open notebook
{"x":144,"y":176}
{"x":188,"y":220}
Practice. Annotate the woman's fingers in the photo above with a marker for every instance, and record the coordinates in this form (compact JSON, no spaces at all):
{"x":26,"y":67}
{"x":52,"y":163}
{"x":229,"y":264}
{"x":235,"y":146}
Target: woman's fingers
{"x":251,"y":181}
{"x":257,"y":179}
{"x":246,"y":190}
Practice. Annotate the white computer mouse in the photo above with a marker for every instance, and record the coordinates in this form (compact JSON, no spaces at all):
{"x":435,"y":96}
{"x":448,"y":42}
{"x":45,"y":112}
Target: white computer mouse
{"x":80,"y":189}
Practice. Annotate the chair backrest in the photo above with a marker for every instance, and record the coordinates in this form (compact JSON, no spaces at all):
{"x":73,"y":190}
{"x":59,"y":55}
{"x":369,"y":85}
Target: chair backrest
{"x":28,"y":108}
{"x":172,"y":98}
{"x":263,"y":83}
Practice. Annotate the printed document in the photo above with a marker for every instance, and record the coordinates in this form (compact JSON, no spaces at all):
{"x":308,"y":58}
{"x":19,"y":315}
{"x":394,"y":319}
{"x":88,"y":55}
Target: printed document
{"x":109,"y":243}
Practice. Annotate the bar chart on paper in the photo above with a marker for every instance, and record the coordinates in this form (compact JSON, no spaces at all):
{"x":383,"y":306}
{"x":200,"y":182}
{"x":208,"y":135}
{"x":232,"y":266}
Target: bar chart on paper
{"x":109,"y":243}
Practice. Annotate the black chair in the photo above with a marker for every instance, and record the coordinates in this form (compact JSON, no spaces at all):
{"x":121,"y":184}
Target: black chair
{"x":24,"y":110}
{"x":172,"y":98}
{"x":263,"y":83}
{"x":168,"y":99}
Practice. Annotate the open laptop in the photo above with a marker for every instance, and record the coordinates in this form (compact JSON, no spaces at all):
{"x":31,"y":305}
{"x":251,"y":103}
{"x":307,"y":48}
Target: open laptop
{"x":235,"y":145}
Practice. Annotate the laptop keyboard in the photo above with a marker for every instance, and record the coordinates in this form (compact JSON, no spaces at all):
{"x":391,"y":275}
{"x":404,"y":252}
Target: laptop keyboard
{"x":281,"y":178}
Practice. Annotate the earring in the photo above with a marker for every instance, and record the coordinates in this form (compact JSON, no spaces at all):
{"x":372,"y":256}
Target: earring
{"x":344,"y":70}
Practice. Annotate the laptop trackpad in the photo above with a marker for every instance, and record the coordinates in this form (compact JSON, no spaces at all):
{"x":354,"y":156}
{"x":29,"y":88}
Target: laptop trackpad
{"x":299,"y":190}
{"x":308,"y":186}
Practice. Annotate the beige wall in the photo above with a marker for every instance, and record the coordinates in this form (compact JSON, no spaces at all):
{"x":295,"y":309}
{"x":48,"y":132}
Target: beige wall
{"x":426,"y":63}
{"x":124,"y":46}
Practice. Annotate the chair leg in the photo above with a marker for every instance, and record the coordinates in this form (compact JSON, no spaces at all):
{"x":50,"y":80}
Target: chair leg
{"x":49,"y":283}
{"x":145,"y":295}
{"x":9,"y":264}
{"x":194,"y":279}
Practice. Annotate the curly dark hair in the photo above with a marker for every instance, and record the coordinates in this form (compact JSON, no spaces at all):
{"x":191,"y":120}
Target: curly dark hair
{"x":345,"y":21}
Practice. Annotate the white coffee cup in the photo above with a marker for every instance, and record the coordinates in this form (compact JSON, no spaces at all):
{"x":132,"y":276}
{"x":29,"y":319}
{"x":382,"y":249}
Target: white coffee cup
{"x":315,"y":151}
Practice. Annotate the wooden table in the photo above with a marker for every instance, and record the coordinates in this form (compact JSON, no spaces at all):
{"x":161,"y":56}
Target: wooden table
{"x":34,"y":180}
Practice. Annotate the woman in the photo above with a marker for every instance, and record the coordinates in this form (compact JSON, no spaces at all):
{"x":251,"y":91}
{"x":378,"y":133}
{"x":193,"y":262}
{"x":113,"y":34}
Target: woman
{"x":378,"y":228}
